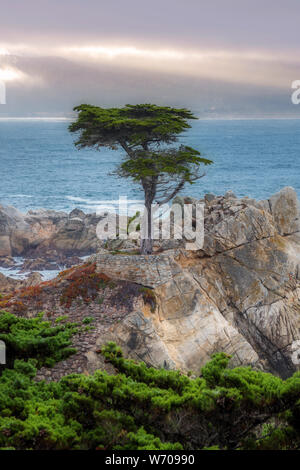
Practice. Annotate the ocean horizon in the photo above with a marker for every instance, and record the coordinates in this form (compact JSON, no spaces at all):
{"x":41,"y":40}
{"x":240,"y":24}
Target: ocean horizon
{"x":41,"y":168}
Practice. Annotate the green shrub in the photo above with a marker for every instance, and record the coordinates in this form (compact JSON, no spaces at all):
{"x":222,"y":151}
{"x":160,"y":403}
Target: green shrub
{"x":34,"y":337}
{"x":139,"y":407}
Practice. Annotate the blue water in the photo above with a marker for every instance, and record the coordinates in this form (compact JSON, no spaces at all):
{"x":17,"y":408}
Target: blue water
{"x":41,"y":168}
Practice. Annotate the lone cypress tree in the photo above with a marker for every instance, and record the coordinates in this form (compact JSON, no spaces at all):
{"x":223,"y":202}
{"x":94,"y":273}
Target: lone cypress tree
{"x":146,"y":133}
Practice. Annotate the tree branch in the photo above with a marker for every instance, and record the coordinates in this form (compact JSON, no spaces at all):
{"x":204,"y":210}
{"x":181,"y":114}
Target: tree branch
{"x":126,"y":148}
{"x":174,"y":192}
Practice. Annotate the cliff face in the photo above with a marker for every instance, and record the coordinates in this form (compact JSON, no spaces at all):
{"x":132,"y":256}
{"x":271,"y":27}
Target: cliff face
{"x":239,"y":294}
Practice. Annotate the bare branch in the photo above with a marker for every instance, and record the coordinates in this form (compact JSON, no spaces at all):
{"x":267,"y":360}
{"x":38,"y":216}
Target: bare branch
{"x":173,"y":194}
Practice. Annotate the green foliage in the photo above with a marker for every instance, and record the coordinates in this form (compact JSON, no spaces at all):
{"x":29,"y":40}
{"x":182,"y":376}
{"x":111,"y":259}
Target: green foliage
{"x":87,"y":320}
{"x":132,"y":219}
{"x":61,"y":319}
{"x":141,"y":407}
{"x":34,"y":337}
{"x":75,"y":413}
{"x":176,"y":163}
{"x":132,"y":125}
{"x":136,"y":129}
{"x":141,"y":440}
{"x":229,"y":404}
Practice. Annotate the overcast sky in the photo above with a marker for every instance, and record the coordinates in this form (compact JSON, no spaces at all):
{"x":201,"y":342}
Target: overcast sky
{"x":220,"y":58}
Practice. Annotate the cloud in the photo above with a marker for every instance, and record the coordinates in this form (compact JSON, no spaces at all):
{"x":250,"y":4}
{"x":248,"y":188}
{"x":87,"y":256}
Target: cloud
{"x":260,"y":68}
{"x":54,"y":78}
{"x":3,"y":51}
{"x":217,"y":56}
{"x":9,"y":74}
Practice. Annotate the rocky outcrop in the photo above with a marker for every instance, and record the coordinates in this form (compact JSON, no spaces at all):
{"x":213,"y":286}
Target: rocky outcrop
{"x":14,"y":232}
{"x":239,"y":294}
{"x":9,"y":285}
{"x":47,"y":233}
{"x":150,"y":271}
{"x":7,"y":262}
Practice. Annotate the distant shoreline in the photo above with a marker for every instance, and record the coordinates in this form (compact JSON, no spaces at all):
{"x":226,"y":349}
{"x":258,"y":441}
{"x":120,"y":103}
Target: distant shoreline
{"x":204,"y":118}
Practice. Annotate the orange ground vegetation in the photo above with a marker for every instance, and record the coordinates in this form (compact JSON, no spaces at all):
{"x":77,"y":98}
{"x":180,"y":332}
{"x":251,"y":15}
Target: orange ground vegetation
{"x":84,"y":283}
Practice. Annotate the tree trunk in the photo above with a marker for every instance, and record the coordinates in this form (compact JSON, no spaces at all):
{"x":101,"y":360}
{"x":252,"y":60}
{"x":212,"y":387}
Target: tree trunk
{"x":146,"y":246}
{"x":147,"y":240}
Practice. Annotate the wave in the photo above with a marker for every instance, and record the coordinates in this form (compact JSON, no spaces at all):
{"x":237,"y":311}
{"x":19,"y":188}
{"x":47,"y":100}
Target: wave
{"x":101,"y":202}
{"x":78,"y":199}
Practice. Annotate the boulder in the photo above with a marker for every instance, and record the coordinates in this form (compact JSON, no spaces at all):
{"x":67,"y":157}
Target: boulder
{"x":9,"y":285}
{"x":14,"y":231}
{"x":77,"y":213}
{"x":7,"y":262}
{"x":285,"y":209}
{"x":120,"y":245}
{"x":32,"y":280}
{"x":38,"y":264}
{"x":209,"y":197}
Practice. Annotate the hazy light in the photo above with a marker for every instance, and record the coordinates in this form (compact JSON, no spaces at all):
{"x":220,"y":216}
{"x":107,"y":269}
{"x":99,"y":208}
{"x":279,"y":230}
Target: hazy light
{"x":256,"y":67}
{"x":112,"y":52}
{"x":7,"y":75}
{"x":167,"y":54}
{"x":3,"y":51}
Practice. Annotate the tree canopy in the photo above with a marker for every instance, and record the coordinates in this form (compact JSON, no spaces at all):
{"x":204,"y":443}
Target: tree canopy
{"x":130,"y":127}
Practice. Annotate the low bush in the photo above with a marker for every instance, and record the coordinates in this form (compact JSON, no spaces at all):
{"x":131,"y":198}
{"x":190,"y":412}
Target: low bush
{"x":139,"y":407}
{"x":35,"y":338}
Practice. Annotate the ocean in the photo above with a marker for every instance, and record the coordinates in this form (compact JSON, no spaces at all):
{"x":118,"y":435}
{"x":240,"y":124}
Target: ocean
{"x":40,"y":167}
